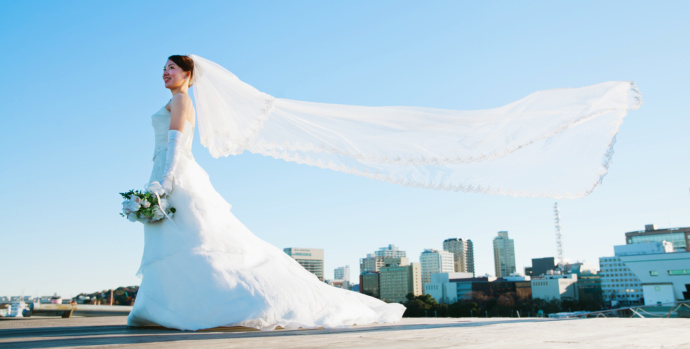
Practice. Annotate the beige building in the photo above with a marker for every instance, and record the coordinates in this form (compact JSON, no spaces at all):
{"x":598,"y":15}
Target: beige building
{"x":310,"y":258}
{"x":397,"y":281}
{"x":463,"y":253}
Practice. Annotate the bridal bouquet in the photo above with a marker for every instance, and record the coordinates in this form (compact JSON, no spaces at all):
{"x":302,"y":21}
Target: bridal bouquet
{"x":146,"y":206}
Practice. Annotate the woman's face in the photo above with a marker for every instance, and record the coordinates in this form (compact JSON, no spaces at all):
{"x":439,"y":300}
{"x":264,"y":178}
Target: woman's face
{"x":173,"y":75}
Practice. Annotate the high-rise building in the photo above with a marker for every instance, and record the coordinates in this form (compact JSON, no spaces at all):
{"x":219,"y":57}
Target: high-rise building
{"x":398,"y":281}
{"x":463,"y":254}
{"x":385,"y":256}
{"x":504,"y":255}
{"x":435,"y":261}
{"x":342,"y":273}
{"x":679,"y":237}
{"x":310,"y":258}
{"x":470,"y":256}
{"x":370,"y":266}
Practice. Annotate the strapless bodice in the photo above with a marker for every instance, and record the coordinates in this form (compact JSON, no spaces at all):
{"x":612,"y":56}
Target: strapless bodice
{"x":161,"y":126}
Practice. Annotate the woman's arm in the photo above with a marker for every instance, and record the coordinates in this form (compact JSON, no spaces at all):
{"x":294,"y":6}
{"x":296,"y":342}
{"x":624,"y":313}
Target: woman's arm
{"x":178,"y":110}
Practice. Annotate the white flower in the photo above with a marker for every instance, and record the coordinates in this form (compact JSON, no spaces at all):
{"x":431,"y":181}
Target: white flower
{"x":132,"y":217}
{"x":155,"y":188}
{"x":145,"y":203}
{"x":133,"y":204}
{"x":157,"y":214}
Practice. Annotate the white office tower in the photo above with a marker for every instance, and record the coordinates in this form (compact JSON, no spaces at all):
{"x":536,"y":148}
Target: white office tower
{"x":649,"y":271}
{"x":463,"y":253}
{"x":310,"y":258}
{"x":504,"y":255}
{"x":342,"y":273}
{"x":435,"y":261}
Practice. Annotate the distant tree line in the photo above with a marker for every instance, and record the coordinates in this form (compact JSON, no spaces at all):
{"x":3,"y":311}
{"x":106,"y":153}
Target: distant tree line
{"x":505,"y":305}
{"x":121,"y":296}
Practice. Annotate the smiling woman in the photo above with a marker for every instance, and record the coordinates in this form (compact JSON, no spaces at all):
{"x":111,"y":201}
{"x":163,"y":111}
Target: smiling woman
{"x":178,"y":69}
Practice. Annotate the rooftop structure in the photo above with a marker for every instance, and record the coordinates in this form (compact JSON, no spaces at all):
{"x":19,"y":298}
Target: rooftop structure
{"x":391,"y":251}
{"x":540,"y":266}
{"x":679,"y":237}
{"x":408,"y":333}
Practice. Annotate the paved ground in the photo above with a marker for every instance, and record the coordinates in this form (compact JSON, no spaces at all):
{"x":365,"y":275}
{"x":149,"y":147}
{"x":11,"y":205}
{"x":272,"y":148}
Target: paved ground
{"x":409,"y":333}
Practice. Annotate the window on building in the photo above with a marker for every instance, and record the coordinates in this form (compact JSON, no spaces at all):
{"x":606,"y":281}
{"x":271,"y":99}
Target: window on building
{"x":653,"y":273}
{"x":679,"y":272}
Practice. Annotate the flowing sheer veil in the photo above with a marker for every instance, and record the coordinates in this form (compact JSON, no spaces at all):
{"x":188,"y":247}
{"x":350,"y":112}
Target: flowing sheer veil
{"x":555,"y":143}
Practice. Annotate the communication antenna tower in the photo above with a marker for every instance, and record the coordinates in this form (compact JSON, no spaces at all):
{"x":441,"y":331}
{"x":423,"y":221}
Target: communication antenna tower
{"x":559,"y":235}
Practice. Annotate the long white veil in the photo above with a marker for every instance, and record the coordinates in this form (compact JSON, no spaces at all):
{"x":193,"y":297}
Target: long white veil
{"x":555,"y":143}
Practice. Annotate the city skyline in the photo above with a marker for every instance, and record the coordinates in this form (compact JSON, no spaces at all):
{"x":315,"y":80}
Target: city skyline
{"x":84,"y":79}
{"x":395,"y":253}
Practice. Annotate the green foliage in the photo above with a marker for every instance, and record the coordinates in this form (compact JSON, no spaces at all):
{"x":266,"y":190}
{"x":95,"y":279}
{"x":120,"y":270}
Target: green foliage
{"x":420,"y":306}
{"x":121,"y":295}
{"x":145,"y":214}
{"x":505,"y":305}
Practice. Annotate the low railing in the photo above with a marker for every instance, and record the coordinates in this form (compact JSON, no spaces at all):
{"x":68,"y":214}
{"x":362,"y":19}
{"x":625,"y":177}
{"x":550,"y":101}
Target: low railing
{"x":634,"y":311}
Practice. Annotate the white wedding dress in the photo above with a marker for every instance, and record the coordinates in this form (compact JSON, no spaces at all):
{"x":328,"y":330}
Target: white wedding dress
{"x":205,"y":269}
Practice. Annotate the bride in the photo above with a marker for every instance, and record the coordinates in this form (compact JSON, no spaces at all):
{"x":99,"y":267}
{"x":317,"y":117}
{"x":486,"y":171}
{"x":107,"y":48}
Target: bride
{"x":203,"y":268}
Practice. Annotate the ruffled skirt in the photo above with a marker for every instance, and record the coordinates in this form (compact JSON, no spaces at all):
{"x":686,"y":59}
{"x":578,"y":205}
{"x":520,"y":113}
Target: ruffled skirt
{"x":206,"y":269}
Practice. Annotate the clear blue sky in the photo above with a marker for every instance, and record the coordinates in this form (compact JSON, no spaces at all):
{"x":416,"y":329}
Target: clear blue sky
{"x":82,"y":78}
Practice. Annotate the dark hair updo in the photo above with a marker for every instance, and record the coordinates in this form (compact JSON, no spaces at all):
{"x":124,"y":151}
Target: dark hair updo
{"x":186,"y":63}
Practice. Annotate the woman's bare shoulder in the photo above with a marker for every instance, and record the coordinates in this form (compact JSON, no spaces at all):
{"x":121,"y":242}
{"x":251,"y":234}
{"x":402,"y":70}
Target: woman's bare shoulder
{"x":180,"y":101}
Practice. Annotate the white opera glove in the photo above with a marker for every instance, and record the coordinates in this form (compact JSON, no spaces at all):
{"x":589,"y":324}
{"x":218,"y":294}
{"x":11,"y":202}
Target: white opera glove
{"x":172,"y":159}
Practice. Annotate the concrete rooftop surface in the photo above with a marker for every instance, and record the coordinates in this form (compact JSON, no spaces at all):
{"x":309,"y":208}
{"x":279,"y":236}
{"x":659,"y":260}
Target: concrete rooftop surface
{"x":85,"y":332}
